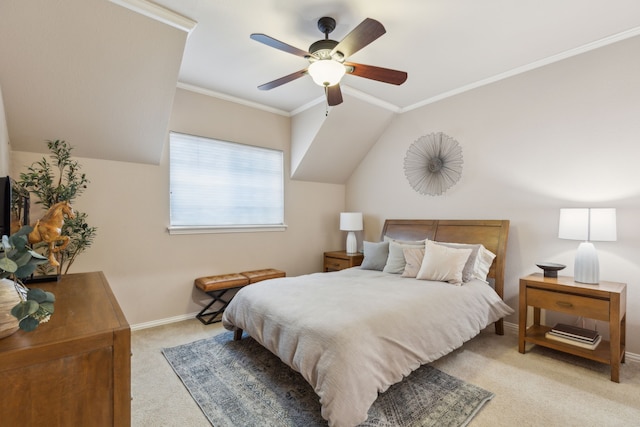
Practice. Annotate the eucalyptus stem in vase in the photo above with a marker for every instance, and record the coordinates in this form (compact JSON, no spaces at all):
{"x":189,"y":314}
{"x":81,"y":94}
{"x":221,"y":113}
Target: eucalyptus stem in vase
{"x":17,"y":261}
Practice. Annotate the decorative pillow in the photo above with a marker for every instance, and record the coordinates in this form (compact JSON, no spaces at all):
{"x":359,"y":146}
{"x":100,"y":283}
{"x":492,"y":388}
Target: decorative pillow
{"x":395,"y":261}
{"x":468,"y":272}
{"x":413,"y":257}
{"x":443,"y":264}
{"x":375,"y":255}
{"x":405,"y":242}
{"x":483,"y":264}
{"x":479,"y":262}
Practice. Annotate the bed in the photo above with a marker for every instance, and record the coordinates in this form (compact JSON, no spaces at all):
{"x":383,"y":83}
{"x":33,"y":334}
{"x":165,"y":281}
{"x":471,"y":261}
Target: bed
{"x":354,"y":333}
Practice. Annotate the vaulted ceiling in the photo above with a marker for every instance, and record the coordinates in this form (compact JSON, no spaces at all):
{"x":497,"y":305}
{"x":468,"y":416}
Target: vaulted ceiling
{"x":103,"y":73}
{"x":445,"y":46}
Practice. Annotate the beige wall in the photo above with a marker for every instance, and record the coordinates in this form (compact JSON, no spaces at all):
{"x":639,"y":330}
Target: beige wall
{"x":566,"y":135}
{"x":152,"y":272}
{"x":4,"y":141}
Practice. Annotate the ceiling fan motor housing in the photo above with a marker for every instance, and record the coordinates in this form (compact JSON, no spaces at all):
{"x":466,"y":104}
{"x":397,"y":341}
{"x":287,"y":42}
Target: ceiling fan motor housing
{"x":322,"y":49}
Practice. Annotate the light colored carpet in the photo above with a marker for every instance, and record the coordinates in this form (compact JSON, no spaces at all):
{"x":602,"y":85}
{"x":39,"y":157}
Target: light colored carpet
{"x":539,"y":388}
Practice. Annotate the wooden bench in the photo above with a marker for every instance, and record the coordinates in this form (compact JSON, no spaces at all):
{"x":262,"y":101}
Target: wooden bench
{"x":217,"y":286}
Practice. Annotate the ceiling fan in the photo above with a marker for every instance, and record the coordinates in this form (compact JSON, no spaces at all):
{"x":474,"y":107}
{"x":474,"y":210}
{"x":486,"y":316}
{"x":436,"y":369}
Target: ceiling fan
{"x":327,"y":58}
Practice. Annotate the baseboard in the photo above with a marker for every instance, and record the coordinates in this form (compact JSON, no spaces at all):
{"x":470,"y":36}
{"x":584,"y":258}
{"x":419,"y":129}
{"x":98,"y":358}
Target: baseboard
{"x":512,"y":328}
{"x":160,"y":322}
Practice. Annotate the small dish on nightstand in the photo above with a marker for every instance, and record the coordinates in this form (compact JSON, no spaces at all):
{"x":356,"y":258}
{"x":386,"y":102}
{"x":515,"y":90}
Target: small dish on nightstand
{"x":550,"y":268}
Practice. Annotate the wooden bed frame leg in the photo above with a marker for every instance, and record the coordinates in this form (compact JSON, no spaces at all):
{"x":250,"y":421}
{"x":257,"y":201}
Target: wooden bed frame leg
{"x":499,"y":327}
{"x":237,"y":334}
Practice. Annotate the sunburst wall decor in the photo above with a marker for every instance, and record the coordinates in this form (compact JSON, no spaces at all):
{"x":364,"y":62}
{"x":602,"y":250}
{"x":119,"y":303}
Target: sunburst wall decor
{"x":433,"y":163}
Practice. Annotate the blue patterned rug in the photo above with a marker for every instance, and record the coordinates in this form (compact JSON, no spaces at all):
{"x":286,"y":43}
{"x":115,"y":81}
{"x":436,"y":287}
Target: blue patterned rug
{"x":240,"y":383}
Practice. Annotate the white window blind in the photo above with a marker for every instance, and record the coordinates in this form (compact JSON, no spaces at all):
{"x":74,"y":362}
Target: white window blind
{"x":217,"y":183}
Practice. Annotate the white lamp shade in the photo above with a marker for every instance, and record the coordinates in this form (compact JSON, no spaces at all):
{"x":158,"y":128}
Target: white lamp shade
{"x":603,"y":225}
{"x":588,"y":224}
{"x":326,"y":72}
{"x":351,"y":221}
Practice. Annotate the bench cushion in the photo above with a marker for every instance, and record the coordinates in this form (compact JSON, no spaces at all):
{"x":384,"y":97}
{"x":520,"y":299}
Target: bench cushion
{"x":264,"y":274}
{"x":221,"y":281}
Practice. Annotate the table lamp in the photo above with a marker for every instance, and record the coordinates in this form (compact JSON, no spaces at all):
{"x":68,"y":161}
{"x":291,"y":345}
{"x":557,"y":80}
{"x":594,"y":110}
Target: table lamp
{"x":351,"y":221}
{"x":587,"y":224}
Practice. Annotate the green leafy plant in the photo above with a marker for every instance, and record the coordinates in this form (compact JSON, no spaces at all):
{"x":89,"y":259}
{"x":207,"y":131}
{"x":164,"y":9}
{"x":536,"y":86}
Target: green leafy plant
{"x":17,"y":261}
{"x":56,"y":181}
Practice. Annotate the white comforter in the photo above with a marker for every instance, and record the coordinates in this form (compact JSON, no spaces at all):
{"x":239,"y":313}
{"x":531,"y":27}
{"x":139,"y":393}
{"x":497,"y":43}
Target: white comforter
{"x":353,"y":333}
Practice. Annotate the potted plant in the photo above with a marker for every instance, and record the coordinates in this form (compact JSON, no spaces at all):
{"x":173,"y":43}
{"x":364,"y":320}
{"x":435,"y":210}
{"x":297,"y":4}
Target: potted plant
{"x":58,"y":181}
{"x":17,"y":261}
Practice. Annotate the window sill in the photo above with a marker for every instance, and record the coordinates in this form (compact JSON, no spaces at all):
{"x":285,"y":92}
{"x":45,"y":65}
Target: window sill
{"x":210,"y":229}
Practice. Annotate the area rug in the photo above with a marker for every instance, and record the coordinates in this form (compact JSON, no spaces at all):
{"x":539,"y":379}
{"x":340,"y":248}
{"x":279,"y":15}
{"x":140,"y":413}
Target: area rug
{"x":240,"y":383}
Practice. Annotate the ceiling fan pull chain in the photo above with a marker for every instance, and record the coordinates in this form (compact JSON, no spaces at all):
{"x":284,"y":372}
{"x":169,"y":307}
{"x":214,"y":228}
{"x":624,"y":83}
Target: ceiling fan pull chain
{"x":326,"y":101}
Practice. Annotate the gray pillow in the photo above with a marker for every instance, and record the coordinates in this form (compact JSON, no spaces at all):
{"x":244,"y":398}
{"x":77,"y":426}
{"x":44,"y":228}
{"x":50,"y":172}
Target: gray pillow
{"x":375,"y":255}
{"x":395,"y":261}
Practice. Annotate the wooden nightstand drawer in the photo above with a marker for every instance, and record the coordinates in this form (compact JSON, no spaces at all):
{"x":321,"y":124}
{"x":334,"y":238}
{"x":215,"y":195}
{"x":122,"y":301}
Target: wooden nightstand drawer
{"x":593,"y":308}
{"x":339,"y":260}
{"x":331,"y":264}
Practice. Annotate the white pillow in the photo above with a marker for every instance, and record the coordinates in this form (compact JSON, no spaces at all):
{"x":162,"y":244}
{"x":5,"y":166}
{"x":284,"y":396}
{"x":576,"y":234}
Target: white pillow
{"x":483,"y":263}
{"x":443,"y":264}
{"x":479,"y":262}
{"x":468,"y":272}
{"x":396,"y":262}
{"x":413,"y":257}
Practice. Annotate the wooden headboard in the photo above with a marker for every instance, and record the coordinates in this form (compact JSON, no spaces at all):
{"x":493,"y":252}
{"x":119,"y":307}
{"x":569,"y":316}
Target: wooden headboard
{"x":493,"y":234}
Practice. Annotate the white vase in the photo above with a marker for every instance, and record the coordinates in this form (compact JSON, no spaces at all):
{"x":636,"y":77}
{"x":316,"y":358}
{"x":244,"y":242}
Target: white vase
{"x":8,"y":299}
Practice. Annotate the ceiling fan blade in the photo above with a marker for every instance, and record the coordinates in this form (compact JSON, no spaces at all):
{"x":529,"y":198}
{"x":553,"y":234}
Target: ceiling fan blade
{"x":385,"y":75}
{"x":334,"y":95}
{"x":359,"y":37}
{"x":283,"y":80}
{"x":270,"y":41}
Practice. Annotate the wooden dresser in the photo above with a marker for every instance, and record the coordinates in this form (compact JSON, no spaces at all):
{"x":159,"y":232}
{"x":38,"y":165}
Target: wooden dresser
{"x":74,"y":370}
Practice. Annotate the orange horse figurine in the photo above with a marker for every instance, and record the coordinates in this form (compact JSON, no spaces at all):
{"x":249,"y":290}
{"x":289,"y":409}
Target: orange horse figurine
{"x":49,"y":227}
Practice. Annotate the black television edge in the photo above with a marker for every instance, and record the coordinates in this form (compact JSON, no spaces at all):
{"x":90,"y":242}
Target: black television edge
{"x":14,"y":207}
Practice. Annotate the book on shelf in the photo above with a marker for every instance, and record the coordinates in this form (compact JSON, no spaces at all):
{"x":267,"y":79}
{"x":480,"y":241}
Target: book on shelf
{"x":582,"y":344}
{"x":575,"y":332}
{"x":574,"y":338}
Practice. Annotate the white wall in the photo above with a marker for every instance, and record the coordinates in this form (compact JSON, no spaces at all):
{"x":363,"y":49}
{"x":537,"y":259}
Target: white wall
{"x":152,"y":272}
{"x":566,"y":135}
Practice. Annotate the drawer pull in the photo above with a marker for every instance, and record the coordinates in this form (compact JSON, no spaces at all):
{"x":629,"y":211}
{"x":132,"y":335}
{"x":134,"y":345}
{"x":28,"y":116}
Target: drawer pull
{"x":564,"y":304}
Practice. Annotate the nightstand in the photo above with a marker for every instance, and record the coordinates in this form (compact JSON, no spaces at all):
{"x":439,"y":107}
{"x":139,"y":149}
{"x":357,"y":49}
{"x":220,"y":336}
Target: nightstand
{"x":339,"y":260}
{"x":606,"y":301}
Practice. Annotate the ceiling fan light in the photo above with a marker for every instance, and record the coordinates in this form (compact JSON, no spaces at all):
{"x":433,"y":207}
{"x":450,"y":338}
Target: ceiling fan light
{"x":326,"y":72}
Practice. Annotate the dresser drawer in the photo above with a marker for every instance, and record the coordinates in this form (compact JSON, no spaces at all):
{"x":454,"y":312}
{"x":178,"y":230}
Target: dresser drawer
{"x":593,"y":308}
{"x":334,"y":264}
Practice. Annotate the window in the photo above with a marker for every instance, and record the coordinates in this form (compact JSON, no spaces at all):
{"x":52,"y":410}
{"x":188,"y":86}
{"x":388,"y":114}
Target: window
{"x":219,"y":185}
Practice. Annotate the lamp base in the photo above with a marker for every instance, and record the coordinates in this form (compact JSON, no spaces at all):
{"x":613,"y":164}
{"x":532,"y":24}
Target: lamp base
{"x":352,"y":243}
{"x":587,"y":267}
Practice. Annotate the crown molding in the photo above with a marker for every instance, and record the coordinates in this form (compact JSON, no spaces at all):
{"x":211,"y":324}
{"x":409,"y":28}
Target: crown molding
{"x":158,"y":13}
{"x":225,"y":97}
